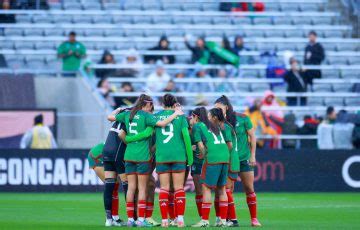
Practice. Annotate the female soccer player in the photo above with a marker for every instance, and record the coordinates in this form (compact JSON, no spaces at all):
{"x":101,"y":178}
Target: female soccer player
{"x":95,"y":159}
{"x":137,"y":155}
{"x":199,"y":121}
{"x":215,"y":168}
{"x":246,"y":151}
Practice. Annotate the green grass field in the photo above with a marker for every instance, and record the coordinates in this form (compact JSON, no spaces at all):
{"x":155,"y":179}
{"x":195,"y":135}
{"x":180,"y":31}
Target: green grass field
{"x":276,"y":211}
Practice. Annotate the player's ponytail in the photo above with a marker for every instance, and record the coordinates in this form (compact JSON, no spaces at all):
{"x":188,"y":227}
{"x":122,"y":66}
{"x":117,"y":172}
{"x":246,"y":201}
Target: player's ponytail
{"x":169,"y":100}
{"x":219,"y":118}
{"x":201,"y":113}
{"x":230,"y":114}
{"x":140,"y":103}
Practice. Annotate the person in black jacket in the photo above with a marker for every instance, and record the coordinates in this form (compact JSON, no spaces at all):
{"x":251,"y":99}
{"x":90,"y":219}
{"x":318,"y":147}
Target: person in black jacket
{"x":215,"y":59}
{"x":296,"y":83}
{"x":162,"y":46}
{"x":314,"y":55}
{"x":199,"y":52}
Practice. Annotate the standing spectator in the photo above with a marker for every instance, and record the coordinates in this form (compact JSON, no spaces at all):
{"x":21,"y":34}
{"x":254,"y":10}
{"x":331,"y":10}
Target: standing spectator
{"x":158,"y":79}
{"x":199,"y":52}
{"x":134,"y":62}
{"x":71,"y":52}
{"x":325,"y":137}
{"x":38,"y":137}
{"x":314,"y":55}
{"x":126,"y":87}
{"x":7,"y":5}
{"x":104,"y":89}
{"x":107,"y":58}
{"x":296,"y":83}
{"x":309,"y":128}
{"x":162,"y":46}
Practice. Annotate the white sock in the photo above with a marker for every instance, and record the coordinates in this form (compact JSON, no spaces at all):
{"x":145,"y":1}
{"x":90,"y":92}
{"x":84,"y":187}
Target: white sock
{"x":180,"y":218}
{"x":141,"y":219}
{"x":131,"y":219}
{"x":116,"y":217}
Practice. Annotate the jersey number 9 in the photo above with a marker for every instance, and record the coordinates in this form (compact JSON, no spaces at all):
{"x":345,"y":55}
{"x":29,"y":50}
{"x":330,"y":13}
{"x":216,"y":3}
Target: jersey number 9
{"x":168,"y":133}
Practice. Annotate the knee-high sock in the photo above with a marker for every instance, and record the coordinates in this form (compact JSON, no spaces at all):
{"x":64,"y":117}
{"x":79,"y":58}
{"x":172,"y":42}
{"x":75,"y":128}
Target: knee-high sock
{"x":205,"y":210}
{"x":130,"y":207}
{"x":251,"y":202}
{"x":141,"y":209}
{"x":223,"y":208}
{"x":124,"y":185}
{"x":164,"y":203}
{"x":216,"y":204}
{"x":115,"y":201}
{"x":149,"y":209}
{"x":171,"y":207}
{"x":180,"y":202}
{"x":231,"y":205}
{"x":109,"y":188}
{"x":198,"y":200}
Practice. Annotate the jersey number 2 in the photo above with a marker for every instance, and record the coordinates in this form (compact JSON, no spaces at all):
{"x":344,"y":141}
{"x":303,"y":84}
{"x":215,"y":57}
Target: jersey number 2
{"x":168,"y":133}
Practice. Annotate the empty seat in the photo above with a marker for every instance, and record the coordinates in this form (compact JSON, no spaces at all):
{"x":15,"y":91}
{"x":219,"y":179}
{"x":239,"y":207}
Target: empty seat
{"x":15,"y":62}
{"x":53,"y":32}
{"x":274,"y":33}
{"x":306,"y":7}
{"x":329,"y":73}
{"x":144,"y":45}
{"x":209,"y":33}
{"x":89,"y":45}
{"x":151,"y":6}
{"x":133,"y":33}
{"x":122,"y":19}
{"x":182,"y":59}
{"x":210,"y":6}
{"x":168,"y":6}
{"x":181,"y":20}
{"x":301,"y":20}
{"x":350,"y":74}
{"x":259,"y":87}
{"x":88,"y":5}
{"x":342,"y":87}
{"x":44,"y":45}
{"x":334,"y":101}
{"x":272,"y":6}
{"x":173,"y":33}
{"x":322,"y":21}
{"x":282,"y":21}
{"x":262,"y":21}
{"x":19,"y":45}
{"x":62,"y":19}
{"x":202,"y":20}
{"x":55,"y":5}
{"x":286,"y":46}
{"x":23,"y":18}
{"x":294,"y":33}
{"x":250,"y":73}
{"x":352,"y":101}
{"x":262,"y":47}
{"x":280,"y":88}
{"x":114,"y":33}
{"x":322,"y":87}
{"x":242,"y":87}
{"x":111,"y":6}
{"x":82,"y":19}
{"x":336,"y":60}
{"x":124,"y":45}
{"x":333,"y":33}
{"x":94,"y":33}
{"x":35,"y":64}
{"x":105,"y":46}
{"x":222,"y":20}
{"x":42,"y":18}
{"x":241,"y":20}
{"x":72,"y":5}
{"x":347,"y":46}
{"x":6,"y":44}
{"x":161,"y":19}
{"x":254,"y":33}
{"x":33,"y":32}
{"x":141,"y":19}
{"x":191,"y":6}
{"x":132,"y":5}
{"x":289,"y":6}
{"x":102,"y":19}
{"x":315,"y":101}
{"x":155,"y":33}
{"x":13,"y":32}
{"x":329,"y":46}
{"x":354,"y":60}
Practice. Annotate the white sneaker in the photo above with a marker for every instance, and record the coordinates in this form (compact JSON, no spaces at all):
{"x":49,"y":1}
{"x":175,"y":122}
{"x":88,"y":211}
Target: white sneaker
{"x":201,"y":224}
{"x":218,"y":222}
{"x":152,"y":221}
{"x":173,"y":223}
{"x":109,"y":222}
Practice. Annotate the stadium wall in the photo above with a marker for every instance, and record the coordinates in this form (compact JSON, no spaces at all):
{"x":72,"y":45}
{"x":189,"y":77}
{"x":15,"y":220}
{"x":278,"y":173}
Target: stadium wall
{"x":277,"y":171}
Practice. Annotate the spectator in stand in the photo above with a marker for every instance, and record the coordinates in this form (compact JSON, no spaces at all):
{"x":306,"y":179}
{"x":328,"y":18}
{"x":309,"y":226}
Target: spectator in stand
{"x":200,"y":53}
{"x":162,"y":46}
{"x":107,"y":58}
{"x":171,"y":88}
{"x":309,"y":128}
{"x":133,"y":60}
{"x":158,"y":79}
{"x":201,"y":87}
{"x":38,"y":137}
{"x":239,"y":45}
{"x":325,"y":137}
{"x":126,"y":87}
{"x":356,"y":132}
{"x":104,"y":89}
{"x":71,"y":52}
{"x":343,"y":130}
{"x":181,"y":85}
{"x":7,"y":5}
{"x":296,"y":83}
{"x":222,"y":86}
{"x":242,"y":6}
{"x":215,"y":59}
{"x":314,"y":55}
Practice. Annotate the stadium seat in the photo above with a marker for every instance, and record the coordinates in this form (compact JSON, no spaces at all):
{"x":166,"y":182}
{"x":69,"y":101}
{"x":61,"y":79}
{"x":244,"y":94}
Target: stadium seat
{"x":181,"y":20}
{"x":154,"y":33}
{"x":191,"y":6}
{"x":168,"y":6}
{"x":322,"y":20}
{"x":241,"y":20}
{"x":182,"y":59}
{"x":15,"y":62}
{"x":102,"y":19}
{"x":274,"y":33}
{"x":315,"y":101}
{"x":132,"y":5}
{"x":122,"y":19}
{"x":161,"y":19}
{"x":111,"y":6}
{"x":262,"y":21}
{"x":354,"y":60}
{"x":294,"y":33}
{"x":345,"y":46}
{"x":272,"y":6}
{"x":13,"y":32}
{"x":333,"y":34}
{"x":33,"y":32}
{"x":53,"y":32}
{"x":289,"y":6}
{"x":322,"y":87}
{"x":86,"y":19}
{"x":134,"y":33}
{"x":144,"y":45}
{"x":72,"y":6}
{"x":201,"y":20}
{"x":301,"y":20}
{"x":6,"y":44}
{"x":40,"y":18}
{"x":330,"y":46}
{"x":105,"y":46}
{"x":242,"y":87}
{"x":209,"y":6}
{"x":281,"y":21}
{"x":88,"y":5}
{"x":341,"y":87}
{"x":61,"y":19}
{"x":147,"y":5}
{"x":334,"y":101}
{"x":24,"y":45}
{"x":336,"y":60}
{"x":23,"y":18}
{"x":350,"y":74}
{"x":94,"y":33}
{"x":221,"y":20}
{"x":309,"y":7}
{"x":353,"y":101}
{"x":262,"y":47}
{"x":141,"y":20}
{"x":259,"y":87}
{"x":330,"y":73}
{"x":254,"y":33}
{"x":287,"y":46}
{"x":45,"y":45}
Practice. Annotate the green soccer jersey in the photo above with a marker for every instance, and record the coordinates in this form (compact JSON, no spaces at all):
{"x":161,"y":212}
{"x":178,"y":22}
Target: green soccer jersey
{"x":243,"y":124}
{"x":217,"y":150}
{"x":95,"y":156}
{"x":229,"y":135}
{"x":138,"y":151}
{"x":71,"y":62}
{"x":197,"y":130}
{"x":170,"y":146}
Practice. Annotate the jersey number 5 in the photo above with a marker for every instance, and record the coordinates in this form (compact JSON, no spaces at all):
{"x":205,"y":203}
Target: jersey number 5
{"x":131,"y":128}
{"x":168,"y":133}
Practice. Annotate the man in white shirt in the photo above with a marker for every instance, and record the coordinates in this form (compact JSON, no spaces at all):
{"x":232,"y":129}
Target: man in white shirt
{"x":158,"y":79}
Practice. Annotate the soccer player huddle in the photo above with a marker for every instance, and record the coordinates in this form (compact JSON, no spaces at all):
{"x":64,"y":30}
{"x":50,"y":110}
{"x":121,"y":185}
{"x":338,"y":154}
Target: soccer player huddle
{"x":216,"y":146}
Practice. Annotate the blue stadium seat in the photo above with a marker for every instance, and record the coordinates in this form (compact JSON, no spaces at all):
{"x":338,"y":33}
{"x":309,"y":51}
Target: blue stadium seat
{"x":161,"y":19}
{"x":294,"y":33}
{"x":289,"y":6}
{"x":181,"y":20}
{"x":23,"y":18}
{"x":134,"y":33}
{"x":13,"y":32}
{"x":349,"y":73}
{"x":191,"y":6}
{"x":210,"y":6}
{"x":94,"y":33}
{"x":40,"y":18}
{"x":344,"y":46}
{"x":333,"y":34}
{"x":72,"y":6}
{"x":82,"y":19}
{"x":241,"y":20}
{"x":132,"y":5}
{"x":20,"y":45}
{"x":113,"y":32}
{"x":306,"y":7}
{"x":122,"y":19}
{"x":354,"y":101}
{"x":168,"y":6}
{"x":274,"y":33}
{"x":222,"y":20}
{"x":336,"y":60}
{"x":301,"y":20}
{"x":259,"y":87}
{"x":62,"y":19}
{"x":201,"y":20}
{"x":341,"y":87}
{"x":329,"y":73}
{"x":322,"y":20}
{"x":272,"y":6}
{"x":45,"y":45}
{"x":282,"y":20}
{"x":320,"y":87}
{"x":315,"y":101}
{"x":254,"y":33}
{"x":141,"y":20}
{"x":262,"y":21}
{"x":102,"y":19}
{"x":88,"y":5}
{"x":334,"y":101}
{"x":53,"y":32}
{"x":33,"y":32}
{"x":111,"y":6}
{"x":105,"y":46}
{"x":354,"y":60}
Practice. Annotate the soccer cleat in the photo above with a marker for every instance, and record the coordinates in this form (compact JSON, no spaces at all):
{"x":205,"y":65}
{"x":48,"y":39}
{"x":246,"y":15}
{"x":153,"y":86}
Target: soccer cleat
{"x":165,"y":223}
{"x":218,"y":222}
{"x":120,"y":222}
{"x":143,"y":223}
{"x":152,"y":222}
{"x":180,"y":224}
{"x":201,"y":224}
{"x":108,"y":222}
{"x":131,"y":223}
{"x":173,"y":223}
{"x":232,"y":223}
{"x":255,"y":222}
